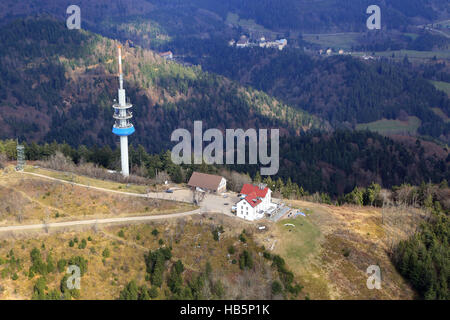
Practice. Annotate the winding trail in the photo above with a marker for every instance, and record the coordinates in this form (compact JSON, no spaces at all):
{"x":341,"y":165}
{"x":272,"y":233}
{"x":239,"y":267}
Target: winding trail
{"x":96,"y":221}
{"x":104,"y":220}
{"x":153,"y":195}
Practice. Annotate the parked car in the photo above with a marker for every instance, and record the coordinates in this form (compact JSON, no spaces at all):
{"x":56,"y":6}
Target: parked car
{"x":226,"y":203}
{"x":169,"y":191}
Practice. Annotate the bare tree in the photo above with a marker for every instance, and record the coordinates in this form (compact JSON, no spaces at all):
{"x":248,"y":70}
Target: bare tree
{"x":46,"y":220}
{"x":197,"y":196}
{"x":19,"y":215}
{"x":95,"y":226}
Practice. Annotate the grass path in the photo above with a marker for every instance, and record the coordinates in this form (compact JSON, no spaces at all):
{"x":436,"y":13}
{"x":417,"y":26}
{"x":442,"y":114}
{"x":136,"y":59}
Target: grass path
{"x":153,"y":195}
{"x":94,"y":221}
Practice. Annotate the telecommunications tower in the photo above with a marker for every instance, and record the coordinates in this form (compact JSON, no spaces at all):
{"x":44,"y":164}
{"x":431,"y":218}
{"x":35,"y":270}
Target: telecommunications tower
{"x":122,"y":126}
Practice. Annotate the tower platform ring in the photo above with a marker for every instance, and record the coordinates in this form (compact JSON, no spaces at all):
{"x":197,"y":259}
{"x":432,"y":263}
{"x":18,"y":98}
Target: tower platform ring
{"x":123,"y":131}
{"x":118,"y":106}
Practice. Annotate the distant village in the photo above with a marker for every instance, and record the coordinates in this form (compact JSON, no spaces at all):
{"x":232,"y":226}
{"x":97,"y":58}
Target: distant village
{"x":262,"y":42}
{"x":330,"y":52}
{"x":245,"y":42}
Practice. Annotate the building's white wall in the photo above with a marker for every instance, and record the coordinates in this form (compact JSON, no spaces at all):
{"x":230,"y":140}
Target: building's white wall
{"x":245,"y":210}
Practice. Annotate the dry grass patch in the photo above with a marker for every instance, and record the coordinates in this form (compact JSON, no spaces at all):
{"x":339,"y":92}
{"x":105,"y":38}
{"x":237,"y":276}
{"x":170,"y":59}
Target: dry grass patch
{"x":34,"y":199}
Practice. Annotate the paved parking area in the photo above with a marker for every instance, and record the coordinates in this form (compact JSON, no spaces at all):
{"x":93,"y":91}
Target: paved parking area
{"x":218,"y":203}
{"x":211,"y":202}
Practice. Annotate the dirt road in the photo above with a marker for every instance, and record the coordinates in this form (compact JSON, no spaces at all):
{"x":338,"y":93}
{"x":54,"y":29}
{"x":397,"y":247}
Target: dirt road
{"x":96,"y":221}
{"x":211,"y":204}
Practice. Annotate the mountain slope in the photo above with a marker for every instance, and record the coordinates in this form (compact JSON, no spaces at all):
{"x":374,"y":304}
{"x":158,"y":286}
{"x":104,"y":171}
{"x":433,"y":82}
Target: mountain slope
{"x":202,"y":17}
{"x":59,"y":85}
{"x":340,"y":89}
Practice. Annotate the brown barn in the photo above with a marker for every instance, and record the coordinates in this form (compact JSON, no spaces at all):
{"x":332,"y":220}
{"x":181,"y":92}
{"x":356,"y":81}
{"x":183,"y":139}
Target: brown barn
{"x":208,"y":182}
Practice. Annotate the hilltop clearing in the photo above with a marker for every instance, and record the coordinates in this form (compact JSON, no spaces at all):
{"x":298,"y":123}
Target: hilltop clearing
{"x":327,"y":251}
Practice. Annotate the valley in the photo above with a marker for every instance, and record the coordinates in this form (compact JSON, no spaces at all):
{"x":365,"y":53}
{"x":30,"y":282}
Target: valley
{"x":356,"y":204}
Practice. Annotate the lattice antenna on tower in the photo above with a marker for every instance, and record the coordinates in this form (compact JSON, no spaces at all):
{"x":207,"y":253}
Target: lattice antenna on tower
{"x":20,"y":157}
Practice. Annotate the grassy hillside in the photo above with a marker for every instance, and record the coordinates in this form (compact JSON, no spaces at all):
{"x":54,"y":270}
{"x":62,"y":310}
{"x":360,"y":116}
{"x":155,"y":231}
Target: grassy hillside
{"x":389,"y":127}
{"x":443,"y":86}
{"x":332,"y":247}
{"x":30,"y":200}
{"x":327,"y":252}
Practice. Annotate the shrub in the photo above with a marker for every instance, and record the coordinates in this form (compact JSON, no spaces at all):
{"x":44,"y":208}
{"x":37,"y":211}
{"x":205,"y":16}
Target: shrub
{"x":50,"y":263}
{"x":38,"y":266}
{"x":130,"y":292}
{"x":106,"y":253}
{"x":153,"y":292}
{"x":346,"y":252}
{"x":277,"y":288}
{"x":245,"y":260}
{"x":155,"y":261}
{"x":62,"y":263}
{"x":295,"y":290}
{"x":83,"y":244}
{"x":179,"y":267}
{"x":80,"y":262}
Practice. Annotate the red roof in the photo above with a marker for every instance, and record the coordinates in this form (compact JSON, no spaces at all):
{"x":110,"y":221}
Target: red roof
{"x":254,"y":194}
{"x":247,"y":189}
{"x":167,"y":53}
{"x":253,"y":199}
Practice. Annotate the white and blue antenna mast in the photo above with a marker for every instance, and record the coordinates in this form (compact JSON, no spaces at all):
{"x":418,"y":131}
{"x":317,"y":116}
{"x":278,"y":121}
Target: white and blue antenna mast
{"x":122,"y":115}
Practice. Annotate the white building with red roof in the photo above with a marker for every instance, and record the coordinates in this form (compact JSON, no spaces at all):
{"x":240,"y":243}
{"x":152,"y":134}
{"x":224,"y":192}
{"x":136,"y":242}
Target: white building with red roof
{"x":255,"y":201}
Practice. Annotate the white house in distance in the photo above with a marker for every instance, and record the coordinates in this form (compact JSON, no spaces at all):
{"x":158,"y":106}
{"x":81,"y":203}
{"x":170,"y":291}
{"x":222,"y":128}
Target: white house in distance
{"x":256,"y":200}
{"x":243,"y":42}
{"x":167,"y":55}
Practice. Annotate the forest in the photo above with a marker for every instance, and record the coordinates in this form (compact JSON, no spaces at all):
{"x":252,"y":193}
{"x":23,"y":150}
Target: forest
{"x":74,"y":104}
{"x":332,"y":163}
{"x":340,"y":89}
{"x":329,"y":15}
{"x":424,"y":259}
